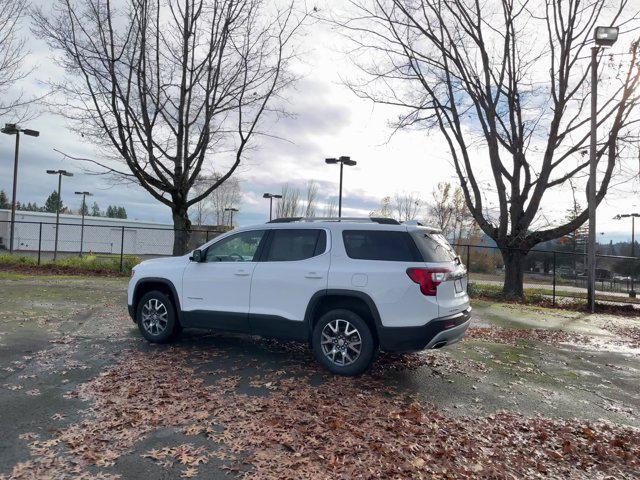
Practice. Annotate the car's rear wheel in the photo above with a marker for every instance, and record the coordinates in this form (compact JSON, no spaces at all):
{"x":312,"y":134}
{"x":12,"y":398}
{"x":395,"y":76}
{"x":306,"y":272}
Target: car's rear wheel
{"x":156,"y":317}
{"x":342,"y":342}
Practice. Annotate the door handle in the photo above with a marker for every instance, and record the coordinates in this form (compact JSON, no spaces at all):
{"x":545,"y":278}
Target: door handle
{"x":242,"y":273}
{"x":313,"y":275}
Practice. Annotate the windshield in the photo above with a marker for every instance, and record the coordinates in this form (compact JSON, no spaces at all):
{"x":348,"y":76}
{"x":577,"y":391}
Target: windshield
{"x":434,"y":247}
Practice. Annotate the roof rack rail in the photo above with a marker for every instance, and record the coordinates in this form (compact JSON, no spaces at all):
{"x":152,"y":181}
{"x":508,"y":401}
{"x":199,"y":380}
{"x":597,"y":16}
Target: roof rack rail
{"x":381,"y":220}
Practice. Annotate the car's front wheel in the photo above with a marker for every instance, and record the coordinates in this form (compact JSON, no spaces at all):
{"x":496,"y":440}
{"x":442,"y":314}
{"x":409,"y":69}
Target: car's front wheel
{"x":342,"y":342}
{"x":156,"y":317}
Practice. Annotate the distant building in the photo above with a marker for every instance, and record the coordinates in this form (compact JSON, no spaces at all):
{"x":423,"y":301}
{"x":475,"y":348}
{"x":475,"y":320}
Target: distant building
{"x":101,"y":234}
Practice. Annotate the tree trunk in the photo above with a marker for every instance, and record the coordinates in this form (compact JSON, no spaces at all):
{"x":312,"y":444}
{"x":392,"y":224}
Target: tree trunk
{"x":513,"y":272}
{"x":182,"y":229}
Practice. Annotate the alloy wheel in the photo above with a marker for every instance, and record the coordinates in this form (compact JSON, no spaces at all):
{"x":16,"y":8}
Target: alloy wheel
{"x":341,"y":342}
{"x":155,"y":316}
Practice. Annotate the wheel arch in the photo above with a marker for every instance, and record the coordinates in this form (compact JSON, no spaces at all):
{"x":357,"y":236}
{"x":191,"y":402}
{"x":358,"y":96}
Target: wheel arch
{"x":163,"y":285}
{"x":354,"y":300}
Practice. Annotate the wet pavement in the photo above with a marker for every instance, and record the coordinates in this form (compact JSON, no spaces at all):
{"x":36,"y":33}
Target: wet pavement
{"x":67,"y":346}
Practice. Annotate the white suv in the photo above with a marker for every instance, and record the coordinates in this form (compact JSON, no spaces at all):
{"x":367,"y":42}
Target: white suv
{"x":346,"y":286}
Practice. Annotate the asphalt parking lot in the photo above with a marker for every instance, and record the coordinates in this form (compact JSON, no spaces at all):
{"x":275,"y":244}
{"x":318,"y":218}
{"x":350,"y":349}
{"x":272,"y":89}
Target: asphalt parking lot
{"x":529,"y":392}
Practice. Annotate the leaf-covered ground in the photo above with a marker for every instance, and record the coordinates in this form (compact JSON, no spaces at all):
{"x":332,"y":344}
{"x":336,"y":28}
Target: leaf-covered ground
{"x":531,"y":393}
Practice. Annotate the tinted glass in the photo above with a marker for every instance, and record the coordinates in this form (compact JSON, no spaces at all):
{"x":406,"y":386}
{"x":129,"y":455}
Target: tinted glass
{"x":241,"y":247}
{"x":434,"y":247}
{"x":296,"y":244}
{"x":380,"y":245}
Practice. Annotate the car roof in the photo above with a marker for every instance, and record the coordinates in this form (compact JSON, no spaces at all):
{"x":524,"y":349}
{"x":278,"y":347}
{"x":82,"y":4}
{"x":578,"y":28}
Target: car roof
{"x":344,"y":224}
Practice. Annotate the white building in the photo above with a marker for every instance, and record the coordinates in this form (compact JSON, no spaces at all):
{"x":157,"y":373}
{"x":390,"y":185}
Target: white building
{"x":36,"y":230}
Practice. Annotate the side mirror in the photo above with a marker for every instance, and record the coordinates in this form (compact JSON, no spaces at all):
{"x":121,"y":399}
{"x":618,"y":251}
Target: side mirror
{"x":197,"y":256}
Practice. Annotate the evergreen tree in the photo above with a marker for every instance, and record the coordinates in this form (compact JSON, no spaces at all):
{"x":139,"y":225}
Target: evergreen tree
{"x":4,"y":201}
{"x":95,"y":210}
{"x":122,"y":213}
{"x":84,"y":209}
{"x":53,"y":203}
{"x":110,"y":212}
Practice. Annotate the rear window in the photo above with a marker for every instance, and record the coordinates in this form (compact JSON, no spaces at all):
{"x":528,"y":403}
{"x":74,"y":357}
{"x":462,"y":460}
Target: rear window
{"x":434,"y":247}
{"x":296,"y":244}
{"x":380,"y":245}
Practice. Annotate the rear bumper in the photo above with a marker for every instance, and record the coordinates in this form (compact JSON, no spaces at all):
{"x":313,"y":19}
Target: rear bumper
{"x":434,"y":334}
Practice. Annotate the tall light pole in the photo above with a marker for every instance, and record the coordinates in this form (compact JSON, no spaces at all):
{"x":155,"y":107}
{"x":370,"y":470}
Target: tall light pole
{"x":60,"y":173}
{"x":632,"y":292}
{"x":83,"y":208}
{"x":271,"y":196}
{"x":13,"y":129}
{"x":231,"y":210}
{"x":604,"y":37}
{"x":342,"y":161}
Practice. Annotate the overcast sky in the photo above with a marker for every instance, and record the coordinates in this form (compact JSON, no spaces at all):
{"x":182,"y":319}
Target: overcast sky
{"x":329,"y":121}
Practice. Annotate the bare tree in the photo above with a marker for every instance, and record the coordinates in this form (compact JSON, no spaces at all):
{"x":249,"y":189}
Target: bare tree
{"x":385,"y":210}
{"x":331,"y":208}
{"x":212,"y":208}
{"x":506,"y":104}
{"x":311,"y":199}
{"x":168,"y":88}
{"x":449,"y":212}
{"x":13,"y":53}
{"x":289,"y":205}
{"x":407,"y":206}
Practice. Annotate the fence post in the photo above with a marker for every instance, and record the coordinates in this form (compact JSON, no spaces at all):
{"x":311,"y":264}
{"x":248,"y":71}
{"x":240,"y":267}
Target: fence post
{"x":468,"y":260}
{"x":554,"y":278}
{"x":206,"y":236}
{"x":39,"y":242}
{"x":121,"y":248}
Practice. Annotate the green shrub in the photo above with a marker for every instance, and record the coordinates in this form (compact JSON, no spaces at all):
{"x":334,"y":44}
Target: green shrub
{"x":87,"y":263}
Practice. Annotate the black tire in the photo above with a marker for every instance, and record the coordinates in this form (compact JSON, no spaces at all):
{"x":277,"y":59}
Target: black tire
{"x":165,"y":330}
{"x":364,"y":358}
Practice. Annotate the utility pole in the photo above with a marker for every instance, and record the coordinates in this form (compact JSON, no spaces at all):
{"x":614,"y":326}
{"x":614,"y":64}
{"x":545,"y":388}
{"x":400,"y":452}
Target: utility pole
{"x":13,"y":129}
{"x":231,"y":211}
{"x":342,"y":161}
{"x":604,"y":37}
{"x":83,"y":208}
{"x":591,"y":189}
{"x":60,"y":173}
{"x":271,"y":196}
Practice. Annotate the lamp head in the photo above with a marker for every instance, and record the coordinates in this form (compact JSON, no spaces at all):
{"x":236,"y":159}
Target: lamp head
{"x":31,"y":133}
{"x":10,"y":129}
{"x":331,"y":160}
{"x":605,"y":36}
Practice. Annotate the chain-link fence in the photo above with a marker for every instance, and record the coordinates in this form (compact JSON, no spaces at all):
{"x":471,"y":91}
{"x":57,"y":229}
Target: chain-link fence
{"x":560,"y":276}
{"x":557,"y":275}
{"x":47,"y":241}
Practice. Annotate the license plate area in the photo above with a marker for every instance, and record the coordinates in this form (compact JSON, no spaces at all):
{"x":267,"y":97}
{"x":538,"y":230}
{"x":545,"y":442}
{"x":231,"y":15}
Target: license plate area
{"x":458,"y":286}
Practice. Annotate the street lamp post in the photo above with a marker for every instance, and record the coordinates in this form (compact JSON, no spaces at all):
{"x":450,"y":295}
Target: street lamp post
{"x":60,"y":173}
{"x":342,"y":161}
{"x":13,"y":129}
{"x":604,"y":37}
{"x":83,"y":208}
{"x":271,"y":196}
{"x":231,"y":210}
{"x":632,"y":292}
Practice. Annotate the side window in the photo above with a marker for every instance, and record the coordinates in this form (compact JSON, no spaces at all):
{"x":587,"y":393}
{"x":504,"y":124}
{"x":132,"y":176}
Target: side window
{"x":241,"y":247}
{"x":296,"y":244}
{"x":380,"y":245}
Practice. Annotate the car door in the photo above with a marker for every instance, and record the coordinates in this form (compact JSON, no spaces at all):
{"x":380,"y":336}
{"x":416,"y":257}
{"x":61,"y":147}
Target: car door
{"x":216,"y":290}
{"x":293,"y":267}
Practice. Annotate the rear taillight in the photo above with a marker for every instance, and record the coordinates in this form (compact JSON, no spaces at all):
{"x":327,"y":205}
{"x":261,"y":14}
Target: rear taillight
{"x":428,"y":279}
